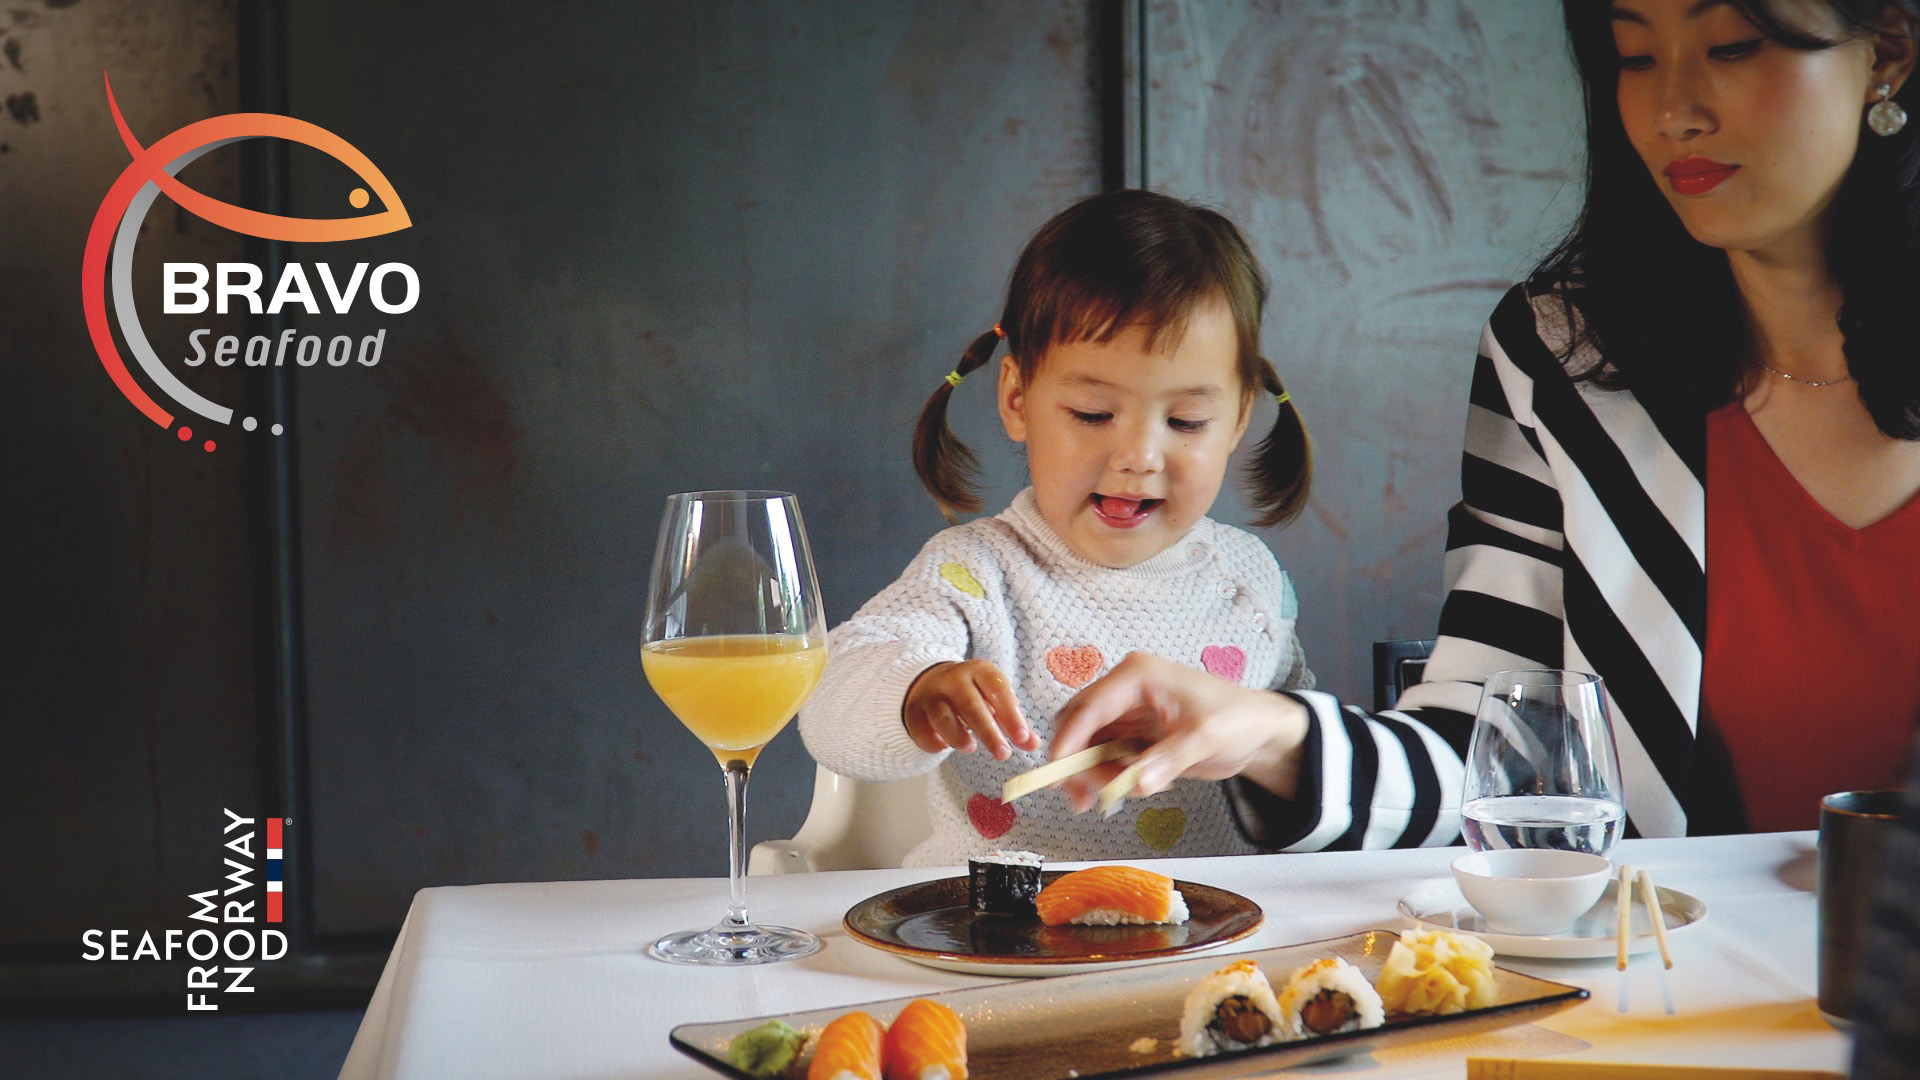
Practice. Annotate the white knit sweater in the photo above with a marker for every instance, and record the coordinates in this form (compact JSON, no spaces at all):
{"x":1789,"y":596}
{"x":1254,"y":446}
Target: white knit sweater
{"x":1006,"y":589}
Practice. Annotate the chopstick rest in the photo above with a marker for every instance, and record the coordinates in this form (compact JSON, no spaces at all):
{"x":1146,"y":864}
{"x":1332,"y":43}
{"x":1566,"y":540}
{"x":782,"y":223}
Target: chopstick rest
{"x":1548,"y":1069}
{"x":1072,"y":765}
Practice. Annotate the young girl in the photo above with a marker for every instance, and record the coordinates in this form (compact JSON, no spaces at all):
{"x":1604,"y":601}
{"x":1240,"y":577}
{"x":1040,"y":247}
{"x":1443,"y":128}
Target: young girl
{"x":1132,"y":370}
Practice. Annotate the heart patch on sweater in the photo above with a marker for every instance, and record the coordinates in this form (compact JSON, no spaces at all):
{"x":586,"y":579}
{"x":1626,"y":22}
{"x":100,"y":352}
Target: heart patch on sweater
{"x":1224,"y":661}
{"x":961,"y":578}
{"x":993,"y":818}
{"x":1161,"y":826}
{"x":1074,"y":665}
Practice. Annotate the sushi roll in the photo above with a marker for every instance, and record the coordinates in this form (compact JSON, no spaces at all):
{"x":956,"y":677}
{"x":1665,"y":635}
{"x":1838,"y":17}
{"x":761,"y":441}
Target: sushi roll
{"x":1232,"y":1009}
{"x":848,"y":1049}
{"x":927,"y":1041}
{"x":1109,"y":896}
{"x":1328,"y":996}
{"x":1003,"y":882}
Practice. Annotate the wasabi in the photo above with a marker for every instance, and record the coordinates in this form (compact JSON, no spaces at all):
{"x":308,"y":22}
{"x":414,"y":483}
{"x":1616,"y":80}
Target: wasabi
{"x":768,"y":1050}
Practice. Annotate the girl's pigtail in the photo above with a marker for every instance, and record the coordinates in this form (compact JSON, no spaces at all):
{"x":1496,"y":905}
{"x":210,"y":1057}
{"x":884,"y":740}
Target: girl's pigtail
{"x":1281,"y":472}
{"x":944,"y":463}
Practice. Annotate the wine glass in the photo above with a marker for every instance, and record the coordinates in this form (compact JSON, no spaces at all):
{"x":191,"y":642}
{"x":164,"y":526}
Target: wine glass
{"x":734,"y":642}
{"x":1542,"y":770}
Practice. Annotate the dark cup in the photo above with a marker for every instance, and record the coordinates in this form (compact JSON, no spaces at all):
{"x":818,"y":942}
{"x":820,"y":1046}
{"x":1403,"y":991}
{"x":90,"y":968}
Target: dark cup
{"x":1853,"y":827}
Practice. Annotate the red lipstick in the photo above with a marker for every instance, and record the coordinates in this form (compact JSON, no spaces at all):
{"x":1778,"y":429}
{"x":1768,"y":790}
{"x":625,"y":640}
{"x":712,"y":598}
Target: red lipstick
{"x":1697,"y":175}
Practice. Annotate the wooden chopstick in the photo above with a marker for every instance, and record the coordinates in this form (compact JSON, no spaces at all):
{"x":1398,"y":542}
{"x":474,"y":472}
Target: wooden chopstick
{"x":1511,"y":1069}
{"x":1652,"y":899}
{"x":1624,"y":901}
{"x":1072,"y":765}
{"x":1115,"y":792}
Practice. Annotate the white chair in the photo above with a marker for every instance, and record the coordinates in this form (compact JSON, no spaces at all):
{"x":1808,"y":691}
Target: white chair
{"x":852,"y":825}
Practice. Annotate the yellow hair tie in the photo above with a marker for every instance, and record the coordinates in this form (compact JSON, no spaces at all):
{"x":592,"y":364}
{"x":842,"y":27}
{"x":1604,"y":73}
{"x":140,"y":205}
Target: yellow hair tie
{"x":954,"y":377}
{"x":1283,"y":397}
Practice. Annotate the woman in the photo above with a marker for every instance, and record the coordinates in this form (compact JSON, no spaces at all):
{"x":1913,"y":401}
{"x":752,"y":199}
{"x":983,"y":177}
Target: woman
{"x":1714,"y":371}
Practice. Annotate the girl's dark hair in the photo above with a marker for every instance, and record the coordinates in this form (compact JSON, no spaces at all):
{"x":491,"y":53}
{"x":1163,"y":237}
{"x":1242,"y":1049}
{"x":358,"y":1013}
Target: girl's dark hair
{"x":1102,"y":265}
{"x":1660,"y":310}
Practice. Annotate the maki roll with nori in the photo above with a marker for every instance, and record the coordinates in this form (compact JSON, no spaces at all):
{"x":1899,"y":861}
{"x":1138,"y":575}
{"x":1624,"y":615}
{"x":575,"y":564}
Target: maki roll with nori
{"x":1003,"y":882}
{"x":1232,"y":1009}
{"x":1329,"y":996}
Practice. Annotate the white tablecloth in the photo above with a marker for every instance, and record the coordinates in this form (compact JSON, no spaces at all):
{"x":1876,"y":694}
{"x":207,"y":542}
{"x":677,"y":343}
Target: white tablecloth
{"x":549,"y":980}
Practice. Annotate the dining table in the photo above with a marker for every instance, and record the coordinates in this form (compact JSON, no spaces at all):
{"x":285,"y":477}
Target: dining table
{"x":551,"y":980}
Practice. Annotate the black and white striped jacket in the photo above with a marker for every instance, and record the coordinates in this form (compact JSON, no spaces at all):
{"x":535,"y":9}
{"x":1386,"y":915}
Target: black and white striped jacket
{"x":1579,"y":542}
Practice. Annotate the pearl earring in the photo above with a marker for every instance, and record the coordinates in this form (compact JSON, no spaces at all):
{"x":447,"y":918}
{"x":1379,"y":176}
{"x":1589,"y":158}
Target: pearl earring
{"x":1886,"y":117}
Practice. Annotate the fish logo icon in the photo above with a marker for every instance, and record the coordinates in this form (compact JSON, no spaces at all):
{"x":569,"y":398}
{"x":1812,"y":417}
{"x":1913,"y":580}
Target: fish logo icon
{"x":151,"y":173}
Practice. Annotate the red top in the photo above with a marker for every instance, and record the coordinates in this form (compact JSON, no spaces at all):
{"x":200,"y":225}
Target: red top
{"x":1812,"y":663}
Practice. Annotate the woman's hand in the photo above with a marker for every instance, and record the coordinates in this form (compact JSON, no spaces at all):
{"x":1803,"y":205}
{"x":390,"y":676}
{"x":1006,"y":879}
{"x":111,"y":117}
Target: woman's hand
{"x":964,"y":705}
{"x":1199,"y":726}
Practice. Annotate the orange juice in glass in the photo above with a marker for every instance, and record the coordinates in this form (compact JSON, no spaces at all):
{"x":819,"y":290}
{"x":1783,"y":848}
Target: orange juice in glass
{"x":735,"y":641}
{"x":735,"y":691}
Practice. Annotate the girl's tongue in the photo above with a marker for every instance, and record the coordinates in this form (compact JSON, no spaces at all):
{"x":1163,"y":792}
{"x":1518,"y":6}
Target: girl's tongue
{"x":1123,"y":513}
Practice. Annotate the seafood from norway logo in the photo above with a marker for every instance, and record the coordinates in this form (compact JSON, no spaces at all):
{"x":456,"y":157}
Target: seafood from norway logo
{"x":116,"y":229}
{"x":239,"y":943}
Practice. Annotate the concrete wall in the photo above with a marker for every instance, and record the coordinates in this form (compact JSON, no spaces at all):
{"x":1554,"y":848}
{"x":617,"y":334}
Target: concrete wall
{"x":1397,"y":165}
{"x":662,"y":247}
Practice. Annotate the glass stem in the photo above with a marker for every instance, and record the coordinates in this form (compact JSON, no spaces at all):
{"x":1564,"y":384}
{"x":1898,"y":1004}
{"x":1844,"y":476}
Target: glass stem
{"x":737,"y":773}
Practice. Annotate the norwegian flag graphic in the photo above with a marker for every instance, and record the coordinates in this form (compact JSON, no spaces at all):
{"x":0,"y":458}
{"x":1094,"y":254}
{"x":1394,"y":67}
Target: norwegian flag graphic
{"x":274,"y":878}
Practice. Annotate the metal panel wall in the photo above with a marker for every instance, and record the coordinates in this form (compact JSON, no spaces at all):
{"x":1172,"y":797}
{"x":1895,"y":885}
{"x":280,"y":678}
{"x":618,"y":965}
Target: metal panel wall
{"x":664,"y":246}
{"x":661,"y":247}
{"x":1396,"y":166}
{"x":125,"y":634}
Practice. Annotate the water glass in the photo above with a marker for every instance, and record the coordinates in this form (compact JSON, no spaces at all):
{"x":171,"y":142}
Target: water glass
{"x":1542,"y":768}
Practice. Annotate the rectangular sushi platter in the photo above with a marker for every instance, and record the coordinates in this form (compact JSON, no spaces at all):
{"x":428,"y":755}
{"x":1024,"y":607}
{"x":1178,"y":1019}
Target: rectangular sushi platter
{"x":1126,"y":1022}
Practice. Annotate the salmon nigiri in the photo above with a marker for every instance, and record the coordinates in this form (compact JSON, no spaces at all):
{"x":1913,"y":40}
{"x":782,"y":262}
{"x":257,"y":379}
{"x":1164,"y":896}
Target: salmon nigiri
{"x":927,"y":1041}
{"x":848,"y":1049}
{"x":1107,"y":895}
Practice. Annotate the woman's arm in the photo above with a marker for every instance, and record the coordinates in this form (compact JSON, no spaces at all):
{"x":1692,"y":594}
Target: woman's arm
{"x":1314,"y":773}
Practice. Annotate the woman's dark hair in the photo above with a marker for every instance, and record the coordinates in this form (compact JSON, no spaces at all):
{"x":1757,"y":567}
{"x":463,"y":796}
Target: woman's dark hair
{"x":1660,"y":310}
{"x":1107,"y":263}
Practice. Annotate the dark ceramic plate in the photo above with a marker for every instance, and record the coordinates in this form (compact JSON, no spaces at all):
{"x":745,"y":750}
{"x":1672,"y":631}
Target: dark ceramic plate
{"x":1127,"y":1022}
{"x":932,"y":923}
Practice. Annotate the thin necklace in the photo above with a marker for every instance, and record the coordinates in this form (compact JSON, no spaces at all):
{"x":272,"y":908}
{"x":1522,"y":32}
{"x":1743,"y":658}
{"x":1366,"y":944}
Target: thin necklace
{"x":1771,"y":370}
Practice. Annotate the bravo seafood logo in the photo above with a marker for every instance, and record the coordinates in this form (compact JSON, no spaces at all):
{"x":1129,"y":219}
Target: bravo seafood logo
{"x":391,"y":287}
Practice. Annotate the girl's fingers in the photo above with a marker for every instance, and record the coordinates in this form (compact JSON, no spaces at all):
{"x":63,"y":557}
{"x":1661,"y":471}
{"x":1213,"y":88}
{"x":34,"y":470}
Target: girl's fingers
{"x":924,"y":734}
{"x":952,"y":731}
{"x":973,"y":711}
{"x":999,"y":697}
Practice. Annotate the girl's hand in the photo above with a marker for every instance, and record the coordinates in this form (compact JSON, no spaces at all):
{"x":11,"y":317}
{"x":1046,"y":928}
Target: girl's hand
{"x":963,"y":705}
{"x":1200,"y":727}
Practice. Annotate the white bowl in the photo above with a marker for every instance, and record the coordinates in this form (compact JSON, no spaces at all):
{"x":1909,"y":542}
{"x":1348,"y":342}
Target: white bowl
{"x":1531,"y":890}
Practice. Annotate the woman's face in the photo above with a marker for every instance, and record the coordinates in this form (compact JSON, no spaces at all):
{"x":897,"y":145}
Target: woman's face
{"x":1748,"y":139}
